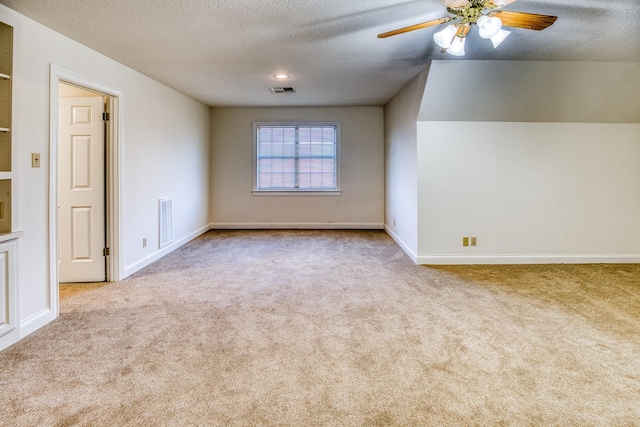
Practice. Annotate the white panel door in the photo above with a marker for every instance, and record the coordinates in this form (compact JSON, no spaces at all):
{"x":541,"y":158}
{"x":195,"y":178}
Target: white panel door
{"x":81,"y":190}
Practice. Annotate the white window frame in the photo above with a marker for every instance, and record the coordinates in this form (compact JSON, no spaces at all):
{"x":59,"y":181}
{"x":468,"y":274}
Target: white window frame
{"x":294,"y":191}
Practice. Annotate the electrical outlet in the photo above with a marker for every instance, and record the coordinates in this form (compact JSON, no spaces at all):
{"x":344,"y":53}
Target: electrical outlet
{"x":35,"y":160}
{"x":465,"y":241}
{"x":144,"y":242}
{"x":474,"y":241}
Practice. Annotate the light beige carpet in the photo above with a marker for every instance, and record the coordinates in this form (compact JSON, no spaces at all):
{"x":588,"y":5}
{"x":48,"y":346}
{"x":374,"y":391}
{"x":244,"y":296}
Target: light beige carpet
{"x":336,"y":328}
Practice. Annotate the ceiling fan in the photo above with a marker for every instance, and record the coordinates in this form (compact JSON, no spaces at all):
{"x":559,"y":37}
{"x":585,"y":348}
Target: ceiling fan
{"x":484,"y":14}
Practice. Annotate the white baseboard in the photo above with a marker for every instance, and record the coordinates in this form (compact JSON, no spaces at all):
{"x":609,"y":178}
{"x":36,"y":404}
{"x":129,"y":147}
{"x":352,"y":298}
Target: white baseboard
{"x":514,"y":259}
{"x":529,"y":259}
{"x":411,"y":254}
{"x":142,"y":263}
{"x":296,"y":226}
{"x":35,"y":322}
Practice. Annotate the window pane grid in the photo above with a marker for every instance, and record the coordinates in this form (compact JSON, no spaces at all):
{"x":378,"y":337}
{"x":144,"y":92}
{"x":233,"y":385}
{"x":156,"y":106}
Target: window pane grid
{"x":296,"y":157}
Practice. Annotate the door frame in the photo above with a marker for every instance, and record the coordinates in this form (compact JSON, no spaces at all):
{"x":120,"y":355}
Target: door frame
{"x":113,"y":180}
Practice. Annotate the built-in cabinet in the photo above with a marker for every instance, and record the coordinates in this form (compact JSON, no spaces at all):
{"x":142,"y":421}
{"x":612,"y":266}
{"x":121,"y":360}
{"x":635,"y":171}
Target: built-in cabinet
{"x":6,"y":167}
{"x":9,"y":321}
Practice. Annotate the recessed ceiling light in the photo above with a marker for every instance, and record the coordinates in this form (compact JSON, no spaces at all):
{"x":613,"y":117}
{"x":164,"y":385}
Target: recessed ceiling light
{"x":281,"y":76}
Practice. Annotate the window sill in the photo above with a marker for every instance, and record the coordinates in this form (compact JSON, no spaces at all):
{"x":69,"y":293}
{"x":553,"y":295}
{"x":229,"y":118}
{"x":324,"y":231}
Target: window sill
{"x":333,"y":193}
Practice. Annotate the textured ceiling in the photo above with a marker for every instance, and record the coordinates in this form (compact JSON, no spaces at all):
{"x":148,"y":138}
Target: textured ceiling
{"x":224,"y":52}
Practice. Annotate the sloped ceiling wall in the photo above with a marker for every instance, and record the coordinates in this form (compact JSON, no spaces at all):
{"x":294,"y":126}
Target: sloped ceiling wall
{"x":532,"y":91}
{"x":535,"y":159}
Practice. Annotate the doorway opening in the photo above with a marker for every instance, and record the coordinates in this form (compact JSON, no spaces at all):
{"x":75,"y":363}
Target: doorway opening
{"x":85,"y":166}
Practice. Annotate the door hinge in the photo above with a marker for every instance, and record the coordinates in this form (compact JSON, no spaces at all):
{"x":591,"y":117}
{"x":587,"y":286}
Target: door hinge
{"x":105,"y":117}
{"x":106,"y":252}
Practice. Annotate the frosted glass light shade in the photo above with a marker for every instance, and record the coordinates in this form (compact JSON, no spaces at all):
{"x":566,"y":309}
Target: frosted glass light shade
{"x":443,"y":38}
{"x":489,"y":27}
{"x":457,"y":46}
{"x":499,"y":38}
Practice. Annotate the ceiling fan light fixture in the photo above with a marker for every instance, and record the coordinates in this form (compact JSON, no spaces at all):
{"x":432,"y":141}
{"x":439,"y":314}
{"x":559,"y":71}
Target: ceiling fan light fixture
{"x":500,"y":37}
{"x":489,"y":26}
{"x":445,"y":37}
{"x":457,"y":46}
{"x":484,"y":14}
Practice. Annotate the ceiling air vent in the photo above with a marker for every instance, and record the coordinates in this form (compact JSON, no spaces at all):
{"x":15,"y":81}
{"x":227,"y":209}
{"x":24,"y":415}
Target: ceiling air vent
{"x":283,"y":89}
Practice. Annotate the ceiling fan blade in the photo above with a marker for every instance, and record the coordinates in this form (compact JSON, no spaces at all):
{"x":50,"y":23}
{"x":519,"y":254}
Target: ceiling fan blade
{"x":530,"y":21}
{"x":455,"y":4}
{"x":416,"y":27}
{"x":501,"y":3}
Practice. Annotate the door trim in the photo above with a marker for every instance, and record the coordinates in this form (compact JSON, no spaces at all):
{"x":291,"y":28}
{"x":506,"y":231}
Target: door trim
{"x":114,"y":176}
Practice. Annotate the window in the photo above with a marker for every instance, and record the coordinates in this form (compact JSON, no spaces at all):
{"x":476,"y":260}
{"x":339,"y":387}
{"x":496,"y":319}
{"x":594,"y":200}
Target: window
{"x":296,"y":157}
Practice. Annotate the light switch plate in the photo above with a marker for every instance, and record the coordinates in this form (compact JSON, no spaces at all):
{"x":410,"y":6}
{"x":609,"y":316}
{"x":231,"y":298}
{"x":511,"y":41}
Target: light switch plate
{"x":35,"y":160}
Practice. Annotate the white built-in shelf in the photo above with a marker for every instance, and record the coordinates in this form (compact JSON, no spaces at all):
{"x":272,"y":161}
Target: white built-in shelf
{"x":5,"y":130}
{"x":4,"y":76}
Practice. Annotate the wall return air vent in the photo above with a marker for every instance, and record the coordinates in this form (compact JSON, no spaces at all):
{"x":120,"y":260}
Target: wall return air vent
{"x":165,"y":221}
{"x":282,"y":89}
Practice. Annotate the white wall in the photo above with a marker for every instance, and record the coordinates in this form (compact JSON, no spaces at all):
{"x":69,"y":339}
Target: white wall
{"x":401,"y":164}
{"x":166,"y":152}
{"x":530,"y":192}
{"x":538,"y":160}
{"x":361,"y":204}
